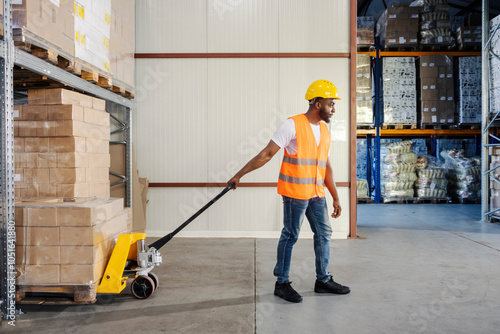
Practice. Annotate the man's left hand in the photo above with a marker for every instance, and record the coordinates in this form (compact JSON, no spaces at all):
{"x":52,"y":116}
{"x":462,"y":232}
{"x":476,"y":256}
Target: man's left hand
{"x":337,"y":209}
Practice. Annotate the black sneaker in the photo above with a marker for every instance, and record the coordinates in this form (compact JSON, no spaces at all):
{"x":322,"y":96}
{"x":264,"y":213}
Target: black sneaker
{"x":331,"y":287}
{"x":285,"y":291}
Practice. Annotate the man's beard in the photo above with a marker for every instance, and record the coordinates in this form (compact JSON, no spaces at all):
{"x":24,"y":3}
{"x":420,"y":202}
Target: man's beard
{"x":324,"y":115}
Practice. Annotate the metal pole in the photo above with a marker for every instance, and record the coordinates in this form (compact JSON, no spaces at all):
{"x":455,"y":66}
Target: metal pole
{"x":485,"y":113}
{"x":128,"y":157}
{"x":7,"y":225}
{"x":378,"y":112}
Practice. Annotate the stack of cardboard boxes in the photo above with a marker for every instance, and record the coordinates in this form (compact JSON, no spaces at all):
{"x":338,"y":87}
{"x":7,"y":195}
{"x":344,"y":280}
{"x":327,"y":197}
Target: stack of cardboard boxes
{"x":469,"y":37}
{"x":99,"y":34}
{"x":122,"y":43}
{"x":92,"y":32}
{"x":45,"y":23}
{"x":437,"y":96}
{"x":65,"y":241}
{"x":398,"y":26}
{"x":365,"y":36}
{"x":364,"y":104}
{"x":469,"y":92}
{"x":61,"y":145}
{"x":399,"y":90}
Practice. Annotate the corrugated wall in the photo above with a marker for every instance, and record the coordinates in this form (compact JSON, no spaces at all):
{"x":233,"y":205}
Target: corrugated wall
{"x":201,"y":120}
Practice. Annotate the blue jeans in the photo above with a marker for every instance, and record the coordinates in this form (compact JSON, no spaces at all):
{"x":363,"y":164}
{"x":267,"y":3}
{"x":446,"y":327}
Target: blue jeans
{"x":316,"y":211}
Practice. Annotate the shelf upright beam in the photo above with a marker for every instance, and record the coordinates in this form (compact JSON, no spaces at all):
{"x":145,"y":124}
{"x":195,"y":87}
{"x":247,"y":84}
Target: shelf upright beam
{"x":378,"y":113}
{"x":485,"y":113}
{"x":7,"y":225}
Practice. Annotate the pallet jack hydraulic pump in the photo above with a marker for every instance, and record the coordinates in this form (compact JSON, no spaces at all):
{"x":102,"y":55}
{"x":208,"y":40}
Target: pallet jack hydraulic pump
{"x":132,"y":259}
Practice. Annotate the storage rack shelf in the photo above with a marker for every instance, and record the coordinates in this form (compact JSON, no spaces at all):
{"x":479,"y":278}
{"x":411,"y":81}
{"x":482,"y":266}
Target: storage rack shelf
{"x":377,"y":132}
{"x":10,"y":56}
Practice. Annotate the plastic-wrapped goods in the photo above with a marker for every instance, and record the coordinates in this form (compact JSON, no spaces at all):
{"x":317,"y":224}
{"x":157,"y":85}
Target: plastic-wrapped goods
{"x":464,"y":175}
{"x":435,"y":23}
{"x":399,"y":91}
{"x":398,"y":170}
{"x":364,"y":104}
{"x":431,"y":182}
{"x":362,"y":188}
{"x":398,"y":26}
{"x":469,"y":90}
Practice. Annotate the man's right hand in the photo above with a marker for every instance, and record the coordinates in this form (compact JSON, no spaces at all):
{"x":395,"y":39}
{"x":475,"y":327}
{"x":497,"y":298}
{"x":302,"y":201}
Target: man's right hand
{"x":235,"y":180}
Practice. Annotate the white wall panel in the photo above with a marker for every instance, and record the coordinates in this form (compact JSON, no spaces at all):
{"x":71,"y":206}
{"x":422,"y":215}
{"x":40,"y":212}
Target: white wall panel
{"x":242,"y":26}
{"x":243,"y":113}
{"x":314,"y":26}
{"x":171,"y":119}
{"x":296,"y":74}
{"x":168,"y":208}
{"x":171,"y":26}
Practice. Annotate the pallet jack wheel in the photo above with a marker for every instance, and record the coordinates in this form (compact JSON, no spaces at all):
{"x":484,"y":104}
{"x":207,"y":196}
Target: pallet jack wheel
{"x":155,"y":279}
{"x":142,"y":287}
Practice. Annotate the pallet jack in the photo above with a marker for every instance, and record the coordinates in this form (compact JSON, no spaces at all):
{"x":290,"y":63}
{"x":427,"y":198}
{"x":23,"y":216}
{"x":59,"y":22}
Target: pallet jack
{"x":131,"y":259}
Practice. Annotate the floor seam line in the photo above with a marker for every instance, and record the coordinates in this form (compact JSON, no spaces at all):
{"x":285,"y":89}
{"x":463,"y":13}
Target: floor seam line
{"x":474,"y":241}
{"x":255,"y":283}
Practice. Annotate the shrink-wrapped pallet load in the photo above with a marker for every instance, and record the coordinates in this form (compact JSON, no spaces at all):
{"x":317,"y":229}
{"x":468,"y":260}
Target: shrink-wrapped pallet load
{"x":66,"y":241}
{"x":398,"y":171}
{"x":431,"y":182}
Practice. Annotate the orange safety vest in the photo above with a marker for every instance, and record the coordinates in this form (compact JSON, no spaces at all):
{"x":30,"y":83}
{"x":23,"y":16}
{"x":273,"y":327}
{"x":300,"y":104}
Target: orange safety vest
{"x":302,"y":175}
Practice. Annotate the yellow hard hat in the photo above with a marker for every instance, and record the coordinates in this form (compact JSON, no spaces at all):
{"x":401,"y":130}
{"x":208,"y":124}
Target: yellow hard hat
{"x":322,"y":88}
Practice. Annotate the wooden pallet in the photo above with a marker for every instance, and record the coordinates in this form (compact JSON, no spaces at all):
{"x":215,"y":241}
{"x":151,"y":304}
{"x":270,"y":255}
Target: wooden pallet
{"x":469,"y":47}
{"x":366,"y":200}
{"x":469,"y":126}
{"x":466,"y":201}
{"x":366,"y":48}
{"x":399,"y":126}
{"x":435,"y":47}
{"x":401,"y":47}
{"x":443,"y":200}
{"x":57,"y":294}
{"x":438,"y":126}
{"x":365,"y":126}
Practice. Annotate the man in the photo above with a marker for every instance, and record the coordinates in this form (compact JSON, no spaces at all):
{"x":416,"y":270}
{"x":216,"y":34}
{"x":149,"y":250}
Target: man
{"x":304,"y":172}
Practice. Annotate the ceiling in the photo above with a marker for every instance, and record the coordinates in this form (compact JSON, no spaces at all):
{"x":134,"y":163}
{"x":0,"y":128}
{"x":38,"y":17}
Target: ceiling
{"x":458,"y":7}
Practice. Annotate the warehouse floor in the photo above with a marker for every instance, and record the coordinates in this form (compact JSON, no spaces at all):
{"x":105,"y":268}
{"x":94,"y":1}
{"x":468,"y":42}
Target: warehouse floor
{"x":415,"y":269}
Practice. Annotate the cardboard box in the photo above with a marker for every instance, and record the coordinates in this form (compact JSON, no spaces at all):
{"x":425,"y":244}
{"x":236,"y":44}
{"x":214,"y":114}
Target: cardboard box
{"x":37,"y":236}
{"x":58,"y":96}
{"x":139,"y":195}
{"x":122,"y":43}
{"x":45,"y":23}
{"x":65,"y":144}
{"x":72,"y":190}
{"x":93,"y":235}
{"x":45,"y":255}
{"x":40,"y":274}
{"x":71,"y":255}
{"x":74,"y":160}
{"x":64,"y":112}
{"x":82,"y":274}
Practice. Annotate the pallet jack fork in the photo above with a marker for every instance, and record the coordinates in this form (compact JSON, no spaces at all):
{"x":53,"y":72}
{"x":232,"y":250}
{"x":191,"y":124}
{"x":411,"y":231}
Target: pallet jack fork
{"x":131,"y":259}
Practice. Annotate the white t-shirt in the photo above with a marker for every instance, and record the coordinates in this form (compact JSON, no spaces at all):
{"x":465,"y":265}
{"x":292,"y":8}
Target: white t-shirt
{"x":285,"y":136}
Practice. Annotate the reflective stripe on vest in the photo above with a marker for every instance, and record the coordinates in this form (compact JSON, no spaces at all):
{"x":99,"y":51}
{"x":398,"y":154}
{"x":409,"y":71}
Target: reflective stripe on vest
{"x":302,"y":175}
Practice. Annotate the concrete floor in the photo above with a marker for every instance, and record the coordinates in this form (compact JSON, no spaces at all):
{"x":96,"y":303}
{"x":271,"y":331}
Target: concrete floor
{"x":420,"y":268}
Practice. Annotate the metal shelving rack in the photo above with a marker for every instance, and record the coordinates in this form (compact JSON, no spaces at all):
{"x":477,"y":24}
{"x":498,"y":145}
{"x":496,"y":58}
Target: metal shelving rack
{"x":487,"y":124}
{"x":10,"y":56}
{"x":377,"y":133}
